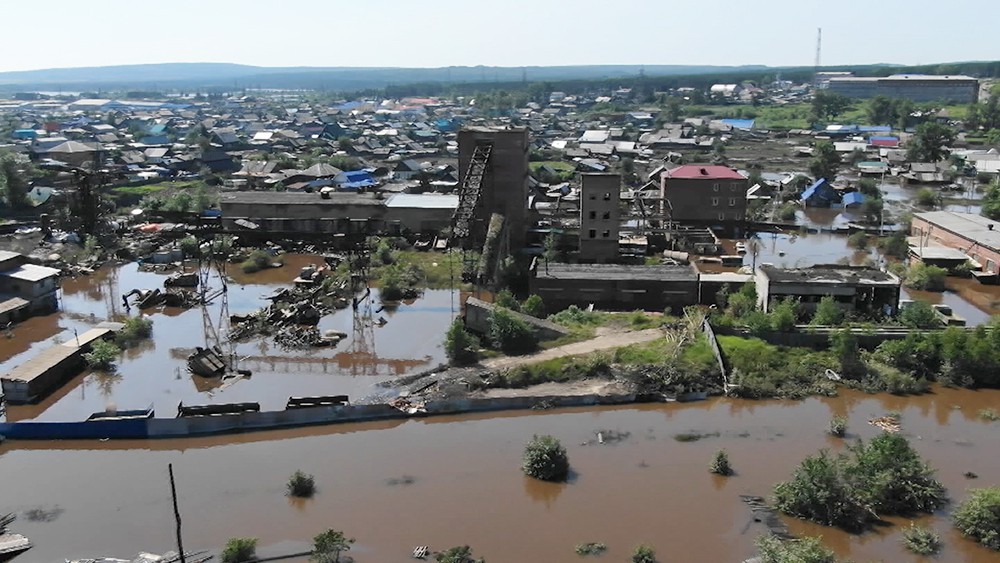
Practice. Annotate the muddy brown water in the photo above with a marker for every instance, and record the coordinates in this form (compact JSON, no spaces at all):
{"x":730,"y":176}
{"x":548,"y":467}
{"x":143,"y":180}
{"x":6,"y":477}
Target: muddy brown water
{"x":465,"y":486}
{"x":155,"y":373}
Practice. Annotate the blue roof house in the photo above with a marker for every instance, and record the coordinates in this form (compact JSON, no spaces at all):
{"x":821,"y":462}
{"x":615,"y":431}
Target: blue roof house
{"x":354,"y":181}
{"x":820,"y":194}
{"x":853,"y":200}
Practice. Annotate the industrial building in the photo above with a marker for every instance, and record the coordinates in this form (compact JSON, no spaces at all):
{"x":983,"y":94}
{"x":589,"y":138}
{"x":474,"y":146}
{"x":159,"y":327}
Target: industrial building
{"x":600,"y":217}
{"x":704,"y":194}
{"x":868,"y":291}
{"x":915,"y":87}
{"x":313,"y":214}
{"x":967,"y":236}
{"x":616,"y":287}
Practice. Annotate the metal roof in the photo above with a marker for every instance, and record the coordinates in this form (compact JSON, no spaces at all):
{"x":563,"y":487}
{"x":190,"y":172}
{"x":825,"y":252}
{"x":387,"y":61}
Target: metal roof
{"x":975,"y":228}
{"x":31,"y":273}
{"x":704,"y":171}
{"x":423,"y":201}
{"x":562,"y":271}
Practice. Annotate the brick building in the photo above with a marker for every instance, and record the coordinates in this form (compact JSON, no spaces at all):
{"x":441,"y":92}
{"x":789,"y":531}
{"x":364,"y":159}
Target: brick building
{"x":701,"y":193}
{"x":600,"y":217}
{"x":976,"y":236}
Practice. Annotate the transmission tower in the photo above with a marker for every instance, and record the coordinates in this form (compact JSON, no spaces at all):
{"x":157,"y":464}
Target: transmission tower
{"x":819,"y":51}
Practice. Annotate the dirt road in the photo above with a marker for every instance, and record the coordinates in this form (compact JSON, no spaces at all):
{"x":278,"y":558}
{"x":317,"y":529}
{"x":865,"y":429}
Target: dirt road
{"x":603,"y":342}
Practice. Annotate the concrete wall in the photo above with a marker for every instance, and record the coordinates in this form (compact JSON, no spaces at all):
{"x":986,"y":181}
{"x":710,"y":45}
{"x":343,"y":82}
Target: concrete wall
{"x":622,"y":295}
{"x":477,"y":319}
{"x":705,"y":200}
{"x":600,"y":217}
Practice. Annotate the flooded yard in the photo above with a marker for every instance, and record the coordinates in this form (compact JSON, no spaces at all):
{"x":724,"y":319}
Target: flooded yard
{"x":155,"y":373}
{"x":456,"y":480}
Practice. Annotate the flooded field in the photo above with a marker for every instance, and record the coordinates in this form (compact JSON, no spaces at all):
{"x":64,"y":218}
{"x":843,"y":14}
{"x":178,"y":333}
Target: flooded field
{"x":456,"y":480}
{"x":155,"y":373}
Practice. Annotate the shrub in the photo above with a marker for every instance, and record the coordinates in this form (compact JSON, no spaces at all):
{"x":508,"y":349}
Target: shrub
{"x":838,"y":426}
{"x":920,"y":314}
{"x":784,"y":314}
{"x":510,"y":334}
{"x":534,"y":307}
{"x":643,"y":554}
{"x":328,"y":546}
{"x":920,"y":540}
{"x":979,"y":516}
{"x":787,"y":211}
{"x":925,"y":277}
{"x":895,"y":246}
{"x":190,"y":247}
{"x":858,"y":240}
{"x":102,"y":355}
{"x":257,"y":261}
{"x":504,"y":298}
{"x":239,"y":550}
{"x":301,"y":485}
{"x":884,"y":476}
{"x":927,"y":197}
{"x":135,"y":329}
{"x":720,"y":464}
{"x":591,"y":549}
{"x":828,"y":312}
{"x":989,"y":414}
{"x":461,"y":554}
{"x":545,"y":459}
{"x":805,"y":550}
{"x":461,"y":347}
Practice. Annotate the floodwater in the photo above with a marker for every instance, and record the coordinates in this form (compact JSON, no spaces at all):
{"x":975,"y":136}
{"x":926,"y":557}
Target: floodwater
{"x":155,"y":373}
{"x":447,"y":481}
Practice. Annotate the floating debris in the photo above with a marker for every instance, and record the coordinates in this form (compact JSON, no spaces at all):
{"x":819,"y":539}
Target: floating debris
{"x":888,"y":423}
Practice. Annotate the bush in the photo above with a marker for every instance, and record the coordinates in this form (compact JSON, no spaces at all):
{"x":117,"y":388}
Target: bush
{"x":461,"y":347}
{"x":978,"y":516}
{"x":545,"y":459}
{"x":591,"y":549}
{"x":805,"y":550}
{"x":920,"y":540}
{"x":461,"y":554}
{"x":190,"y":247}
{"x":927,"y":197}
{"x":504,"y":298}
{"x":135,"y":329}
{"x":643,"y":554}
{"x":858,"y":240}
{"x":838,"y":426}
{"x":257,"y":261}
{"x":720,"y":464}
{"x":574,"y":315}
{"x":920,"y":314}
{"x":510,"y":334}
{"x":301,"y":485}
{"x":102,"y":355}
{"x":884,"y":476}
{"x":924,"y":277}
{"x":828,"y":312}
{"x":784,"y":314}
{"x":239,"y":550}
{"x":787,"y":211}
{"x":895,"y":245}
{"x":534,"y":307}
{"x":328,"y":546}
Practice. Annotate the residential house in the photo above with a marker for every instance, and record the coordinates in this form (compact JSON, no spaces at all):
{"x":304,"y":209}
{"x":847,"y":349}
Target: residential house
{"x":700,"y":193}
{"x":820,"y":194}
{"x":25,"y":289}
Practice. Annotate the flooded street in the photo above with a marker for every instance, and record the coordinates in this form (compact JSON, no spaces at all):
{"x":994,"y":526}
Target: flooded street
{"x":456,"y":480}
{"x":155,"y":373}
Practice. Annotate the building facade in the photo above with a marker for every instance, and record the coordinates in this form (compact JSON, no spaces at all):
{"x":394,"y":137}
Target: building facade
{"x":505,"y":184}
{"x":615,"y":287}
{"x":915,"y":87}
{"x":866,"y":290}
{"x":977,"y":236}
{"x":701,"y":193}
{"x":26,"y":289}
{"x":600,"y":217}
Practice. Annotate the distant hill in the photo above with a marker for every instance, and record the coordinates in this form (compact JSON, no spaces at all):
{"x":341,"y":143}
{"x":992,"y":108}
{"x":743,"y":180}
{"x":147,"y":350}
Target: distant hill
{"x":226,"y":75}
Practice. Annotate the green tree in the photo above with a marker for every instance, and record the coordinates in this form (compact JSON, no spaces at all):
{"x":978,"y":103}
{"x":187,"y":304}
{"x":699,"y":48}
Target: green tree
{"x":828,"y":105}
{"x":844,"y":346}
{"x":927,"y":197}
{"x":102,"y":355}
{"x":510,"y":334}
{"x":920,"y":314}
{"x":978,"y":516}
{"x":889,"y":477}
{"x":930,"y":142}
{"x":784,"y":314}
{"x":328,"y":546}
{"x":301,"y":485}
{"x":991,"y":201}
{"x":828,"y":312}
{"x":15,"y":179}
{"x":819,"y":492}
{"x":504,"y":298}
{"x":826,"y":162}
{"x":239,"y":550}
{"x":926,"y":277}
{"x":720,"y":464}
{"x":461,"y":347}
{"x":880,"y":111}
{"x":545,"y":459}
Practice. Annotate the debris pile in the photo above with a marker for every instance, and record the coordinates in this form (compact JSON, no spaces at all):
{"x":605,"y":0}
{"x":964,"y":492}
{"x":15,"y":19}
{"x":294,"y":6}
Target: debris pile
{"x":887,"y":423}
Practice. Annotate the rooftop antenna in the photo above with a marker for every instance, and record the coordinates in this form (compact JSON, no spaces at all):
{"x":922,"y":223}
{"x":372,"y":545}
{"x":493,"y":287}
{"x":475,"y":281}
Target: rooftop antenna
{"x":819,"y":50}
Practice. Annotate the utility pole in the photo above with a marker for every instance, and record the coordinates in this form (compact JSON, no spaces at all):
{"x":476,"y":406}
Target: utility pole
{"x":177,"y":513}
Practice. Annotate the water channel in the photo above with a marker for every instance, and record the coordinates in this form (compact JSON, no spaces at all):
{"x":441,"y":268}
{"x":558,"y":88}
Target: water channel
{"x":456,"y":480}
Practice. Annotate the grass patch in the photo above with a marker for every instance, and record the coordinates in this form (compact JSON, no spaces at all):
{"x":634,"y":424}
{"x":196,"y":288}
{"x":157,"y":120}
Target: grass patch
{"x":554,"y":164}
{"x":440,"y":270}
{"x":591,"y":549}
{"x":762,"y":370}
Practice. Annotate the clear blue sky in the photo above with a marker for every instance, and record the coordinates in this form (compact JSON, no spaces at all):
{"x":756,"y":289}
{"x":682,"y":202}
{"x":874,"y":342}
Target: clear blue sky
{"x":434,"y":33}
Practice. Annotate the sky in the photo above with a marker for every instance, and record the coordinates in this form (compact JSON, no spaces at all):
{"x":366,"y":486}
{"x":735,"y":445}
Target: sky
{"x":435,"y":33}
